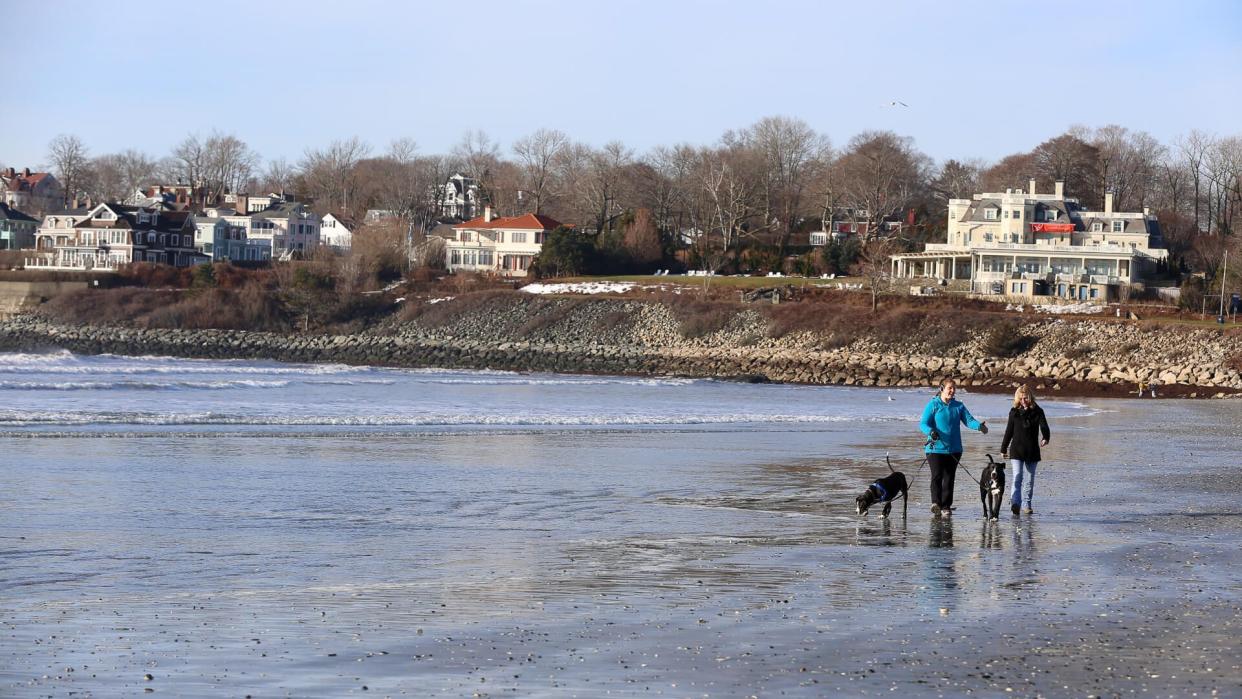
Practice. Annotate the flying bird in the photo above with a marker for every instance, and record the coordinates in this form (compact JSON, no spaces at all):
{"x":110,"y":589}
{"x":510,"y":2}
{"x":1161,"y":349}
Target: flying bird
{"x":897,"y":103}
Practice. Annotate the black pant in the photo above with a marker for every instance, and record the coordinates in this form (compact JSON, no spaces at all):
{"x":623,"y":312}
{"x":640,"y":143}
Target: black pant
{"x":943,"y":470}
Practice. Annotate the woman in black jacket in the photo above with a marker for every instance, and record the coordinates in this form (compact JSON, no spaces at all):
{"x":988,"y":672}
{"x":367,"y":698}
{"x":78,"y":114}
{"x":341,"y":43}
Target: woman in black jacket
{"x":1026,"y":432}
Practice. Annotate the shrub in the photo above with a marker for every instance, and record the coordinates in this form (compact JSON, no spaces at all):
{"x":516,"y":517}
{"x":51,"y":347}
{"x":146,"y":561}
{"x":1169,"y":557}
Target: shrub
{"x":700,"y":317}
{"x":435,"y":315}
{"x":123,"y":306}
{"x":1191,"y":298}
{"x":150,"y":275}
{"x":1005,"y":339}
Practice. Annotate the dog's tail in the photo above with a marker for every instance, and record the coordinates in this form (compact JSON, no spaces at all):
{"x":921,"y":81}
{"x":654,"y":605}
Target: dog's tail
{"x":890,"y":464}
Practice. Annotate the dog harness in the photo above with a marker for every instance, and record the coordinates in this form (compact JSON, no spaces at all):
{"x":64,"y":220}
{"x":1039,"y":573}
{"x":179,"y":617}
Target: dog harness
{"x":882,"y":491}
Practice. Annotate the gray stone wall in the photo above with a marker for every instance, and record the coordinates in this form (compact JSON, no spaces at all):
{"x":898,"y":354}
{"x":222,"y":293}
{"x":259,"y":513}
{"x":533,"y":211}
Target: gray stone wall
{"x":618,"y":336}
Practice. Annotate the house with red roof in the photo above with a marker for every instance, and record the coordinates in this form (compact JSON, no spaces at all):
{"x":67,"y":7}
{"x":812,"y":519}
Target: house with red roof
{"x":34,"y":193}
{"x":503,"y":246}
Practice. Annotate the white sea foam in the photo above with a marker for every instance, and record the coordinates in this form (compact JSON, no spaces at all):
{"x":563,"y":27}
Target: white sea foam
{"x":24,"y":418}
{"x":130,"y":385}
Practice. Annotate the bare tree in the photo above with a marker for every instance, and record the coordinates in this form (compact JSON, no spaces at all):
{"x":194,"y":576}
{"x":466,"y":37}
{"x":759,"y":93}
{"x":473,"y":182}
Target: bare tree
{"x":594,"y":179}
{"x":875,"y":265}
{"x":727,"y":179}
{"x":883,"y":173}
{"x":278,"y":176}
{"x":70,"y":160}
{"x":478,"y":155}
{"x":1194,"y":148}
{"x":228,"y":165}
{"x":1070,"y":159}
{"x":538,"y":154}
{"x":641,"y":239}
{"x":789,"y":154}
{"x":328,"y":174}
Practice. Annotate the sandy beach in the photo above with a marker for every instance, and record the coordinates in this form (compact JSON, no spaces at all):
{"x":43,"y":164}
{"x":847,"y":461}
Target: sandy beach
{"x":685,"y":560}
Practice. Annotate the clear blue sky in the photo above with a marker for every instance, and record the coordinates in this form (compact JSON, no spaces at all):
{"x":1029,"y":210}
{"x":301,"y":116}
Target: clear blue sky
{"x":982,"y":79}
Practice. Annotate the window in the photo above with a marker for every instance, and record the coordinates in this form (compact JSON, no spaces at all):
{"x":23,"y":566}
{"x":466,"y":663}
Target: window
{"x":989,"y":214}
{"x":1119,"y":226}
{"x":1017,"y":213}
{"x":1006,"y":214}
{"x":519,"y":236}
{"x":539,"y":237}
{"x":1050,"y":215}
{"x":150,"y":237}
{"x":1097,"y":227}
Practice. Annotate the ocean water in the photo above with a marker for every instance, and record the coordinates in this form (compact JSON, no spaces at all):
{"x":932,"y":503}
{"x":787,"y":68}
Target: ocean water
{"x":204,"y":528}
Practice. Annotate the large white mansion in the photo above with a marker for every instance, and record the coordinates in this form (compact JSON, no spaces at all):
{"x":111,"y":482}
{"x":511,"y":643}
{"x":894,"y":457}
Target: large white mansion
{"x":1026,"y":244}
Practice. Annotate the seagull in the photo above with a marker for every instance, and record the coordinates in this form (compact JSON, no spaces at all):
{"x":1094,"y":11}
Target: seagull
{"x":897,"y":103}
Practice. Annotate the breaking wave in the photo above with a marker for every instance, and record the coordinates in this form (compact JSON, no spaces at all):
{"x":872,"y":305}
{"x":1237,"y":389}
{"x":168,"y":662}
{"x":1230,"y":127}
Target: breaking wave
{"x":15,"y":418}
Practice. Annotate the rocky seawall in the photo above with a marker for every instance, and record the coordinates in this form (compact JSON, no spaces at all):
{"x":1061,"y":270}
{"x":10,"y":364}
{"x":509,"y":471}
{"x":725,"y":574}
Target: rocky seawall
{"x":622,"y":336}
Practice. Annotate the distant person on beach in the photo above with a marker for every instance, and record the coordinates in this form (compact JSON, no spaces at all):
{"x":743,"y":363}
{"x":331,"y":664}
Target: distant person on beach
{"x":941,"y":423}
{"x":1026,"y":432}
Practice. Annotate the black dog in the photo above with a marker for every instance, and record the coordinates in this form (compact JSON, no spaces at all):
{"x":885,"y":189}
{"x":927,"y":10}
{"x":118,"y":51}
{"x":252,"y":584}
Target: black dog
{"x":885,"y":490}
{"x":992,"y":488}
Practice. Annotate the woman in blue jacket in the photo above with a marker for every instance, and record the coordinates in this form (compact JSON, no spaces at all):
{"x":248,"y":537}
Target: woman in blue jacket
{"x":941,"y":423}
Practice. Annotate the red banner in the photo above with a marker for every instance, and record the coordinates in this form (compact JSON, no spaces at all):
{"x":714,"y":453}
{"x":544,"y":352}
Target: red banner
{"x":1052,"y":227}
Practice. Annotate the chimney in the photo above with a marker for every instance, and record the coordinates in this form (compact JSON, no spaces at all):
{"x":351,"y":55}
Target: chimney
{"x":9,"y":172}
{"x":1108,"y":203}
{"x":1146,"y":211}
{"x":1060,"y":189}
{"x":487,"y":214}
{"x":26,"y":172}
{"x":1032,"y":186}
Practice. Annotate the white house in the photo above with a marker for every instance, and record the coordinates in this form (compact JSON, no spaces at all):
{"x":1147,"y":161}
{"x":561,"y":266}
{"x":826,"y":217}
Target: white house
{"x":503,"y":246}
{"x":217,"y":238}
{"x":290,"y":226}
{"x":334,"y":233}
{"x":1018,"y":243}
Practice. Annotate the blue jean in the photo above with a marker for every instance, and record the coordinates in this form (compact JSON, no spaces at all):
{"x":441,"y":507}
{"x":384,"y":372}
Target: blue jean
{"x":1023,"y":469}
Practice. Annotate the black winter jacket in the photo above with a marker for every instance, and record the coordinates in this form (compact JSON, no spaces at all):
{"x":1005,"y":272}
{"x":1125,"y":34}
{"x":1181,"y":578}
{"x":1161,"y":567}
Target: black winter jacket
{"x":1023,"y":432}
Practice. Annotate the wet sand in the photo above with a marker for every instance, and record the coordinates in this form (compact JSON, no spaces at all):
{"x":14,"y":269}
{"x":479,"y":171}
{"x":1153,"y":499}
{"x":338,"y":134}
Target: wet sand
{"x":1125,"y":582}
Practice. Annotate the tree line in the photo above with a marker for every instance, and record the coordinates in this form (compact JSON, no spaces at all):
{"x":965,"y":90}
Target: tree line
{"x":775,"y":178}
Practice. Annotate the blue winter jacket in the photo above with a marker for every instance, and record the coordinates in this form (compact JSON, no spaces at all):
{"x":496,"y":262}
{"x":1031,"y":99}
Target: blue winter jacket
{"x":947,"y":419}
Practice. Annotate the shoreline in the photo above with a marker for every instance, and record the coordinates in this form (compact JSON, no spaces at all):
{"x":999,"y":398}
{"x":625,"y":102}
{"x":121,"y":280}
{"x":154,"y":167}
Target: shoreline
{"x":705,"y":358}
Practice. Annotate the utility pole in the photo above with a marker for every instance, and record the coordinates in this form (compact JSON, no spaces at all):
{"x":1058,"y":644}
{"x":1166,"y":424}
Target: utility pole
{"x":1224,"y":275}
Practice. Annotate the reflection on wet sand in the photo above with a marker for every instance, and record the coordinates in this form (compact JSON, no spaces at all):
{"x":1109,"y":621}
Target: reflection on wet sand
{"x":942,"y":574}
{"x":990,"y":536}
{"x":889,"y":531}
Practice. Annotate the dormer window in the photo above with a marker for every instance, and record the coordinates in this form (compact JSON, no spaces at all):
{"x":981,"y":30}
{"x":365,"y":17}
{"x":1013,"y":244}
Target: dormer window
{"x":1097,"y":227}
{"x":1119,"y":226}
{"x":989,"y":214}
{"x":1050,"y":215}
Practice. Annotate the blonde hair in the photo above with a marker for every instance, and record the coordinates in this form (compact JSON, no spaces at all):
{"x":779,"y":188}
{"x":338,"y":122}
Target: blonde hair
{"x":1023,"y":390}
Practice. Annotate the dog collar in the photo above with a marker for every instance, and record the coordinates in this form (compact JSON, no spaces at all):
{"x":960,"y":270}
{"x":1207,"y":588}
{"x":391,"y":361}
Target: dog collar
{"x":883,"y":492}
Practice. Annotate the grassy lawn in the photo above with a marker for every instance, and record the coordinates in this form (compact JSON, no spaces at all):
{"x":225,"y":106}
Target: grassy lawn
{"x":1205,"y":323}
{"x":716,"y":282}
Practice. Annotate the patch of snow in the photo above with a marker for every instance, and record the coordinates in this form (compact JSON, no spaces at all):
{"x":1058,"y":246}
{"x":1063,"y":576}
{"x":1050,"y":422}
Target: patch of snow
{"x":1070,"y":308}
{"x":446,"y":298}
{"x":580,"y":288}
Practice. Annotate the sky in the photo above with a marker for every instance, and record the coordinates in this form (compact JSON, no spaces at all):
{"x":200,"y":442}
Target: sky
{"x":981,"y":79}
